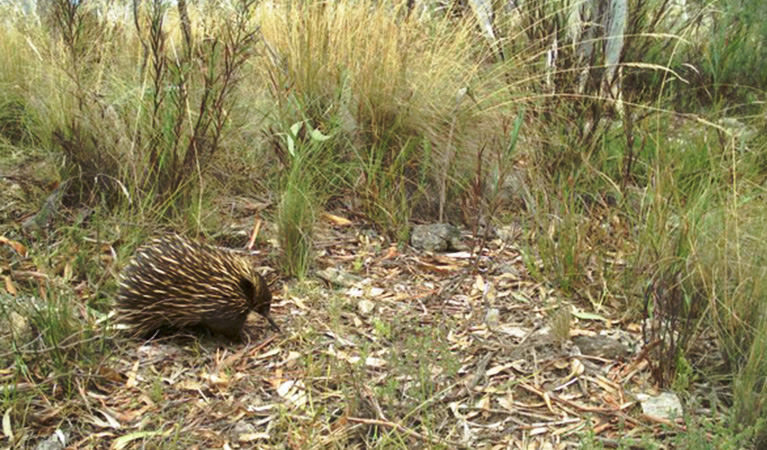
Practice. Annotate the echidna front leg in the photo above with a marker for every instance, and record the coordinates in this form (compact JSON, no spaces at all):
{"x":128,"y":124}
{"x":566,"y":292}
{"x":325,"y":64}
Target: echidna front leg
{"x":231,"y":327}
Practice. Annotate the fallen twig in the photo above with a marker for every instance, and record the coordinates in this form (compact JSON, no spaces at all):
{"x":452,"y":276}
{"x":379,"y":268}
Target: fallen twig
{"x":408,"y":431}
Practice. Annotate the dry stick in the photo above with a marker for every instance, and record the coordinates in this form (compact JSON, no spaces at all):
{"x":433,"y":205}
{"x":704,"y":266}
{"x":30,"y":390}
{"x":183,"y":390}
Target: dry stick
{"x":7,"y":389}
{"x":510,"y":416}
{"x":254,"y":234}
{"x":260,"y":346}
{"x":642,"y":356}
{"x":49,"y":349}
{"x":26,"y":274}
{"x":408,"y":431}
{"x":336,"y":434}
{"x":616,"y":412}
{"x":612,"y":443}
{"x":542,"y":394}
{"x":437,"y":396}
{"x":479,"y":373}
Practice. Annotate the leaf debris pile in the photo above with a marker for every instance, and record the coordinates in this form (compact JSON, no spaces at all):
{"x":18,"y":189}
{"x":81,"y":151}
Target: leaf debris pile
{"x":387,"y":347}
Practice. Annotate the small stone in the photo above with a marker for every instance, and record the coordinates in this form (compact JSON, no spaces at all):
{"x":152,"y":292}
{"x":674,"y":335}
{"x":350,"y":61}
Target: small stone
{"x":355,"y":292}
{"x":509,"y":233}
{"x":666,"y":405}
{"x":339,"y":277}
{"x":159,"y":351}
{"x":437,"y":237}
{"x":15,"y":324}
{"x":738,"y":128}
{"x":56,"y":441}
{"x":365,"y":307}
{"x":242,"y":428}
{"x":514,"y":331}
{"x":376,"y":291}
{"x":601,"y":347}
{"x":491,"y":317}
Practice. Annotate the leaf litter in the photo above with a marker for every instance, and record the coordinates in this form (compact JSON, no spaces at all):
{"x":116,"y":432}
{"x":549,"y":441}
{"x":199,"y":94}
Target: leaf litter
{"x":453,"y":350}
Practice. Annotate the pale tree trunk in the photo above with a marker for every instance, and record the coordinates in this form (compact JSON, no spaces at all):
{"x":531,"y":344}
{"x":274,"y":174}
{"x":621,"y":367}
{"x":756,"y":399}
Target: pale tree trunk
{"x":483,"y":11}
{"x":615,"y":26}
{"x":583,"y":29}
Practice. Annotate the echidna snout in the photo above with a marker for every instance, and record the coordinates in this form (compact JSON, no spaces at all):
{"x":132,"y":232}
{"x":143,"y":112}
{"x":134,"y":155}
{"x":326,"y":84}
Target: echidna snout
{"x":173,"y":282}
{"x":259,"y":297}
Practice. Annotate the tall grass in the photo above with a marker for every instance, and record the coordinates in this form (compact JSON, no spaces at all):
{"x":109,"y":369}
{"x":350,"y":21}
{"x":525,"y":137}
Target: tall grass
{"x":388,"y":82}
{"x":302,"y":190}
{"x":620,"y":201}
{"x":731,"y":271}
{"x":137,"y":106}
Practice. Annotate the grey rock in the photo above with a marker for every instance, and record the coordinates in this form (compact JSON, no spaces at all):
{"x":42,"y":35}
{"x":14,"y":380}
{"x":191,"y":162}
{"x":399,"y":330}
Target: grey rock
{"x":56,"y":441}
{"x":16,"y":324}
{"x":242,"y":429}
{"x":666,"y":405}
{"x":738,"y":128}
{"x":509,"y":233}
{"x":365,"y":307}
{"x":601,"y":347}
{"x":49,"y":209}
{"x":492,"y":317}
{"x":339,"y":277}
{"x":436,"y":237}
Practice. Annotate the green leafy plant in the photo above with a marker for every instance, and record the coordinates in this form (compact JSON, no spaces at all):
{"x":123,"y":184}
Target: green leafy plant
{"x":301,"y":196}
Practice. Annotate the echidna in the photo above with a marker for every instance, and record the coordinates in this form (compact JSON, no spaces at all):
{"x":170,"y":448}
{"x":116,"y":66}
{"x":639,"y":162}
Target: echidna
{"x":173,"y":282}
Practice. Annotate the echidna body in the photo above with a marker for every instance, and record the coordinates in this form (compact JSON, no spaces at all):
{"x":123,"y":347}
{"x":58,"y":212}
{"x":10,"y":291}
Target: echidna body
{"x":173,"y":282}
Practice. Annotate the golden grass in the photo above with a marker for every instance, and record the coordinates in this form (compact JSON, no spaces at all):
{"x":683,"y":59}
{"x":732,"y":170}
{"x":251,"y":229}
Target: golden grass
{"x":385,"y":68}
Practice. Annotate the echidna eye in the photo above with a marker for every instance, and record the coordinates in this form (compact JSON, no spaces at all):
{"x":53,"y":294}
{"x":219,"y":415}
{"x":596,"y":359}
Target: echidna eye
{"x":248,"y":289}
